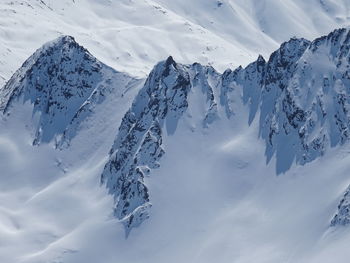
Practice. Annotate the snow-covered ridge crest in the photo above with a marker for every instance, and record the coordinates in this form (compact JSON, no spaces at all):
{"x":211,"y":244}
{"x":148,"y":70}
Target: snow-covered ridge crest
{"x":138,"y":145}
{"x":58,"y":79}
{"x":305,"y":109}
{"x":301,"y":94}
{"x":13,"y":87}
{"x":300,"y":97}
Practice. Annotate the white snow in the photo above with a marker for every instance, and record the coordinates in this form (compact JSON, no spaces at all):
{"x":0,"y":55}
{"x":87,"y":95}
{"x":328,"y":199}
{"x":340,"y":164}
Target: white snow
{"x":132,"y":36}
{"x":214,"y":198}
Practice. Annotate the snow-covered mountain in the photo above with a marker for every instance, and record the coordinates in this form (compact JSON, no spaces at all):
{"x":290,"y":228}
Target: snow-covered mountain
{"x":64,"y":82}
{"x":132,"y":36}
{"x":301,"y":95}
{"x":243,"y":165}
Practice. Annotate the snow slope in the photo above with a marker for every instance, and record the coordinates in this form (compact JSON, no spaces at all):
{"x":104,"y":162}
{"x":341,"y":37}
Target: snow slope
{"x":190,"y":146}
{"x":300,"y":96}
{"x":214,"y":198}
{"x":64,"y":82}
{"x":132,"y":36}
{"x":202,"y":148}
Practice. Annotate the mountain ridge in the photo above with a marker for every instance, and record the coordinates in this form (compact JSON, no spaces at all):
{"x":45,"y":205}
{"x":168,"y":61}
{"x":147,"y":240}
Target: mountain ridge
{"x":266,"y":88}
{"x":300,"y":95}
{"x":224,"y":36}
{"x":59,"y":79}
{"x":291,"y":97}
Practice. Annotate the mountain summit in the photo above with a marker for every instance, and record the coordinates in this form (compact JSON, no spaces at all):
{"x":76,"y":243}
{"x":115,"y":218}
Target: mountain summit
{"x":246,"y":165}
{"x":59,"y":79}
{"x":300,"y":97}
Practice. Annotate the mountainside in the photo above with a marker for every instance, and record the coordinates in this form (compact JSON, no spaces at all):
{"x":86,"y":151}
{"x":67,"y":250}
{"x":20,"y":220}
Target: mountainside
{"x":343,"y":215}
{"x":248,"y":165}
{"x":301,"y":95}
{"x":61,"y":80}
{"x":132,"y":36}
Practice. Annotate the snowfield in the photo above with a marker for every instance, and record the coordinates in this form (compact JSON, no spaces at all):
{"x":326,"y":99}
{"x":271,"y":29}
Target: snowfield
{"x":156,"y":159}
{"x":216,"y":201}
{"x":132,"y":36}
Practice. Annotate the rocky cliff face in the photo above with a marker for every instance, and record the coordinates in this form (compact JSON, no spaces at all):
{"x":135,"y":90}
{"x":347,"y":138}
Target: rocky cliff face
{"x":342,"y":217}
{"x":60,"y":80}
{"x":300,"y":97}
{"x":305,"y":109}
{"x":138,"y":145}
{"x":301,"y":94}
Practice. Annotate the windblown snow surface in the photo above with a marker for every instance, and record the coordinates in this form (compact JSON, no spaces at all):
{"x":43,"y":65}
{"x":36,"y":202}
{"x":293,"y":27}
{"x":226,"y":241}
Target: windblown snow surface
{"x":132,"y":36}
{"x":217,"y":193}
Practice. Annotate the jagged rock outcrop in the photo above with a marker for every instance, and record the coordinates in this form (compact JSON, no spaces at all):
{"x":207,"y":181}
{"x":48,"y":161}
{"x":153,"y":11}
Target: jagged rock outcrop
{"x":304,"y":110}
{"x":206,"y":79}
{"x":300,"y":97}
{"x":301,"y":94}
{"x":243,"y":85}
{"x":59,"y":79}
{"x":138,"y":145}
{"x":342,"y":217}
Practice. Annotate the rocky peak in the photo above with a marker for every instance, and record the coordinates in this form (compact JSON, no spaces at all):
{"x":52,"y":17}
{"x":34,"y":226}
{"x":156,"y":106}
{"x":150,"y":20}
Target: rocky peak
{"x":294,"y":113}
{"x":336,"y":44}
{"x":282,"y":61}
{"x":169,"y":62}
{"x":138,"y":145}
{"x":57,"y":79}
{"x":300,"y":96}
{"x":276,"y":89}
